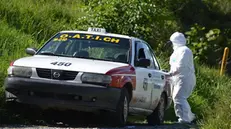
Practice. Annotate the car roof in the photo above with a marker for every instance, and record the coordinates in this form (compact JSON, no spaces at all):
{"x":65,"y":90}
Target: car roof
{"x":98,"y":33}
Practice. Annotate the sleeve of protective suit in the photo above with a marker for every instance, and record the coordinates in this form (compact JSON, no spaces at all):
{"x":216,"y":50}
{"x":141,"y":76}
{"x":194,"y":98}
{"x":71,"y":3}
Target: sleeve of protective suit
{"x":180,"y":62}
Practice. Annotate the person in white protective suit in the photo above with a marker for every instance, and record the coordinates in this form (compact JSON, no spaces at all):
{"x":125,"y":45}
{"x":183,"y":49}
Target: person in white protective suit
{"x":182,"y":77}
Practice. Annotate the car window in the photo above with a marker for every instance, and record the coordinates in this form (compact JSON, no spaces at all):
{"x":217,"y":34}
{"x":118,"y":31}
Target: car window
{"x":157,"y":66}
{"x":139,"y":51}
{"x":149,"y":56}
{"x":143,"y":52}
{"x":88,"y":46}
{"x":156,"y":62}
{"x":154,"y":57}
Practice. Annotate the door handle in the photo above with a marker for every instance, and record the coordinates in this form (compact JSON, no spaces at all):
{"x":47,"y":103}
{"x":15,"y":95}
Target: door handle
{"x":149,"y":75}
{"x":162,"y":77}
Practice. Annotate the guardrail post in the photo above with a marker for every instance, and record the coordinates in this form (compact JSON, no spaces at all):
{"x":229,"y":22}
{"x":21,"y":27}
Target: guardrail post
{"x":224,"y":60}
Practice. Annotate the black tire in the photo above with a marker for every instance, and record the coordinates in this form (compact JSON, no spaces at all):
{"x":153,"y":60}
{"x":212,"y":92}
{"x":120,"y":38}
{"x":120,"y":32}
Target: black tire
{"x":119,"y":118}
{"x":157,"y":117}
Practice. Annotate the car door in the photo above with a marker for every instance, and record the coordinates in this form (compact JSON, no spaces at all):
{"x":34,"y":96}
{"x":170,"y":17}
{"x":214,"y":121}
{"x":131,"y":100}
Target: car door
{"x":158,"y":77}
{"x":142,"y":94}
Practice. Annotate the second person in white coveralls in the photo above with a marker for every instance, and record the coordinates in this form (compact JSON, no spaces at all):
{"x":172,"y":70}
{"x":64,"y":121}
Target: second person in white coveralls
{"x":182,"y":77}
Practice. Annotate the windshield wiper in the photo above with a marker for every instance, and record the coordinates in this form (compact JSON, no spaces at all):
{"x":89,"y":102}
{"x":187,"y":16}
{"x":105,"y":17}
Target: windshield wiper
{"x":93,"y":58}
{"x":85,"y":57}
{"x":47,"y":53}
{"x":51,"y":54}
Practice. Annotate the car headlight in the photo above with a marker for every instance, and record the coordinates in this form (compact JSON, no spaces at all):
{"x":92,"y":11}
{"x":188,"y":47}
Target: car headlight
{"x":21,"y":71}
{"x":96,"y":78}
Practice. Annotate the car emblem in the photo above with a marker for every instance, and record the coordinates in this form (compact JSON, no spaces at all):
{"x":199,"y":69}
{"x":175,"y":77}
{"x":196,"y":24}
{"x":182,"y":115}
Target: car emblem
{"x":56,"y":75}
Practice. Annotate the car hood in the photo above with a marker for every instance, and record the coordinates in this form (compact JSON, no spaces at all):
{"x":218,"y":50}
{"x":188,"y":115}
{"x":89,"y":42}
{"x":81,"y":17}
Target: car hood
{"x":77,"y":64}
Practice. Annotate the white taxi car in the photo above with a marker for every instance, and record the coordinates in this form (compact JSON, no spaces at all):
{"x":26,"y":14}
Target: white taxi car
{"x":92,"y":71}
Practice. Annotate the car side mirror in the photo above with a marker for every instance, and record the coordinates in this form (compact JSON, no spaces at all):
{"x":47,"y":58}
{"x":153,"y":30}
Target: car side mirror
{"x":31,"y":51}
{"x":143,"y":62}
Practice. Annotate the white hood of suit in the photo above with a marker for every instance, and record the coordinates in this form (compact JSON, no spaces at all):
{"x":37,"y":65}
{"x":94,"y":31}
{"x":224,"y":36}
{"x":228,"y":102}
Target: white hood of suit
{"x":178,"y":40}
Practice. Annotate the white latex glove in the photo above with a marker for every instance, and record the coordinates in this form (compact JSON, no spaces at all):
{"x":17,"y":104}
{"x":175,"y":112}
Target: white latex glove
{"x":171,"y":73}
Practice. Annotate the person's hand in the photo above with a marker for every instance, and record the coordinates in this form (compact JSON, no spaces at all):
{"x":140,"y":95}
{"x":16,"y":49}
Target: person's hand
{"x":168,"y":76}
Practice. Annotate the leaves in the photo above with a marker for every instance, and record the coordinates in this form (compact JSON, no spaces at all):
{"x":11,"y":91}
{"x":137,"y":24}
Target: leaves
{"x":144,"y":19}
{"x":206,"y":44}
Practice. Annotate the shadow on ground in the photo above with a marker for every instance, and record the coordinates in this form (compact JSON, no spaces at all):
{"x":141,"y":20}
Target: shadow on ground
{"x":52,"y":118}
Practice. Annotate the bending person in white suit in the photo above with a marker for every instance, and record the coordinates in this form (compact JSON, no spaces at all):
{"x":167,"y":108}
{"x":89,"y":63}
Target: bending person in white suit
{"x":182,"y":76}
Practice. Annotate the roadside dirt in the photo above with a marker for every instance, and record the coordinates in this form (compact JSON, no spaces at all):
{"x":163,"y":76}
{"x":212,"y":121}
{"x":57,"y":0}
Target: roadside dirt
{"x":70,"y":120}
{"x":171,"y":126}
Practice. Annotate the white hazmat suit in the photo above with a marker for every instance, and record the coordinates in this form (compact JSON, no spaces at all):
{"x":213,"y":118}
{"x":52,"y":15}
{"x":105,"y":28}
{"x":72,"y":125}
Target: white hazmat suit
{"x":182,"y":76}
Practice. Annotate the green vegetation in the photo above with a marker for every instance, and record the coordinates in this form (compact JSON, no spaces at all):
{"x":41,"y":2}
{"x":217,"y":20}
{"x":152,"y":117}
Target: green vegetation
{"x":210,"y":99}
{"x":12,"y":46}
{"x":29,"y":23}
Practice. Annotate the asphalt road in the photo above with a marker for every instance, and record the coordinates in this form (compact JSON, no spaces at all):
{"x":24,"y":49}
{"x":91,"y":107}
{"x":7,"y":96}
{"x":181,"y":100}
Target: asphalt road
{"x":170,"y":126}
{"x":140,"y":126}
{"x":95,"y":125}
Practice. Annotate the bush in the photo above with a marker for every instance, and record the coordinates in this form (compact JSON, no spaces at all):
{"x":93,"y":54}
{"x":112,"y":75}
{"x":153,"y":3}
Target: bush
{"x":207,"y":45}
{"x":143,"y":19}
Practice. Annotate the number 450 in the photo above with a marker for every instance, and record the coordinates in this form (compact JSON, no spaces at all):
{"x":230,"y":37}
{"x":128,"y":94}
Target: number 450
{"x":61,"y":63}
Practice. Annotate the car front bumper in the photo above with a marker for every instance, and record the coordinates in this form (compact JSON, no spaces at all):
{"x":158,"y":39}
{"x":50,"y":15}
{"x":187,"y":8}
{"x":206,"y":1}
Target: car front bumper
{"x":61,"y":95}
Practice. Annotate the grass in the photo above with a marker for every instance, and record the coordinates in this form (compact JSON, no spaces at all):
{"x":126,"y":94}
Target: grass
{"x":215,"y":91}
{"x":210,"y":100}
{"x":29,"y":23}
{"x":12,"y":46}
{"x":41,"y":19}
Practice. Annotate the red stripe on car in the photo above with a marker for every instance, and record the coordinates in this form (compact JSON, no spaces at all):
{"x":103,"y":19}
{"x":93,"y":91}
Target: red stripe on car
{"x":122,"y":75}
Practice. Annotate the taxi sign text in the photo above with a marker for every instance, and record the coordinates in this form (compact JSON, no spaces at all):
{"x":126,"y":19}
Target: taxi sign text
{"x":64,"y":37}
{"x":97,"y":30}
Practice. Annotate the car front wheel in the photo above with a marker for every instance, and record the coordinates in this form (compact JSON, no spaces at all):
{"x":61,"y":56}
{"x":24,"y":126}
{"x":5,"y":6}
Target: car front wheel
{"x":119,"y":118}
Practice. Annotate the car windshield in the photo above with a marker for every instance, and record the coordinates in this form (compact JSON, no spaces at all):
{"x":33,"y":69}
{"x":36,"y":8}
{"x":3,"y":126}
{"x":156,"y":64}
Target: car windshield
{"x":88,"y":46}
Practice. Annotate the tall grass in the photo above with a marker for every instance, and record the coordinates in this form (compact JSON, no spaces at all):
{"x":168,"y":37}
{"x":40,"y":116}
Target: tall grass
{"x":211,"y":97}
{"x":41,"y":19}
{"x":12,"y":46}
{"x":215,"y":90}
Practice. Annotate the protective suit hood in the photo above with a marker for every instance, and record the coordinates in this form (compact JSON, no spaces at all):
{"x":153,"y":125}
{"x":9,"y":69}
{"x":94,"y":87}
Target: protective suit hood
{"x":178,"y":39}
